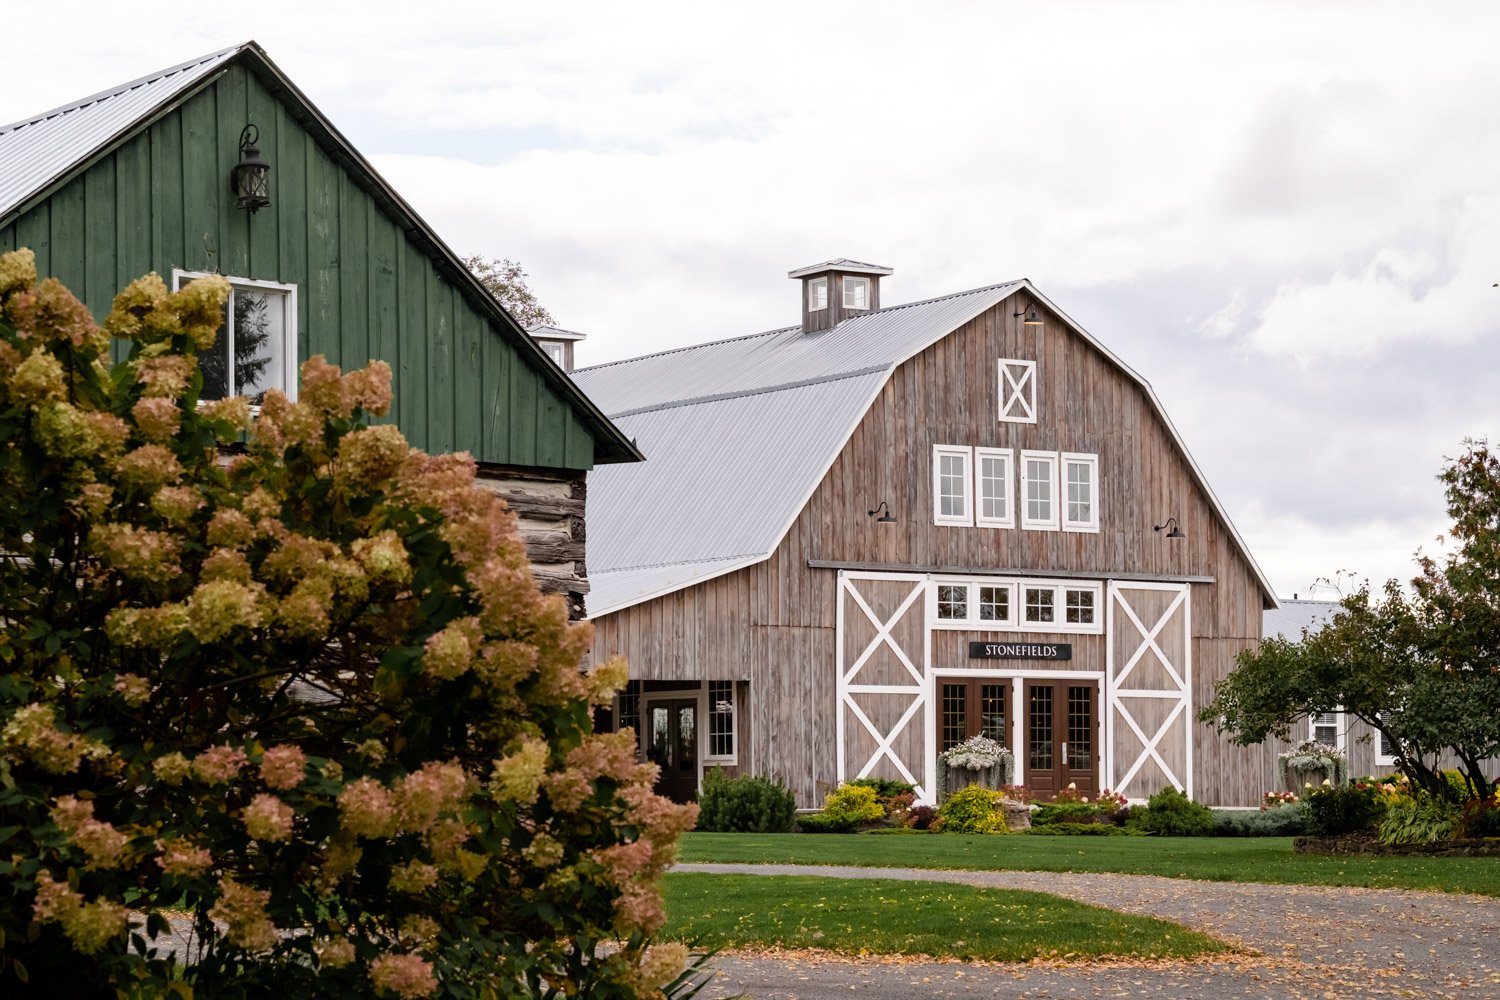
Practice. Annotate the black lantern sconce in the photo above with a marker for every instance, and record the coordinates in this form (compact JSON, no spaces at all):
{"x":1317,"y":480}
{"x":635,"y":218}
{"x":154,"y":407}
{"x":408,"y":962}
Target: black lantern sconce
{"x":1176,"y":532}
{"x":1031,"y":317}
{"x":885,"y":518}
{"x":250,"y":180}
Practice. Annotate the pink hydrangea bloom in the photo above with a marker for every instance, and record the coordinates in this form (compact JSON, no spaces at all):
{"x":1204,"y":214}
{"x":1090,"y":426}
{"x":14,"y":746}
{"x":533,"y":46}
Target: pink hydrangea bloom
{"x":218,"y":765}
{"x":268,"y":818}
{"x":282,"y":767}
{"x":403,"y":975}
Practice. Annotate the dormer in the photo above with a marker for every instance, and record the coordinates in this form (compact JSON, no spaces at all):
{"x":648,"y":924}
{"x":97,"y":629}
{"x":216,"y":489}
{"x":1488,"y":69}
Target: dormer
{"x":835,"y":290}
{"x":558,"y":343}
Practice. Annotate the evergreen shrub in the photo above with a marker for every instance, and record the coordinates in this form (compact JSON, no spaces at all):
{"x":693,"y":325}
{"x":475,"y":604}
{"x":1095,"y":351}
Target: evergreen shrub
{"x":1170,"y":813}
{"x":747,"y":804}
{"x":1333,"y":812}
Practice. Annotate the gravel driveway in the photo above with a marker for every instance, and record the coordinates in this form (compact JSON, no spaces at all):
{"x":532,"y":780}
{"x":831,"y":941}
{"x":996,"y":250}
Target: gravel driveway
{"x":1310,"y":941}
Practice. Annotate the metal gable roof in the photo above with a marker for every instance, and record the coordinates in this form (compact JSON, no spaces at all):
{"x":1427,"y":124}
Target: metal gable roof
{"x":42,"y":149}
{"x":774,"y":410}
{"x":1295,"y":617}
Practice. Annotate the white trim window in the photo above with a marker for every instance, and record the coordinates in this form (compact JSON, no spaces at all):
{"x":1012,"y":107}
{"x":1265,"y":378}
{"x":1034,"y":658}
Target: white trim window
{"x":993,"y":507}
{"x":817,"y":294}
{"x":1017,"y":383}
{"x":1016,"y":605}
{"x":723,"y":734}
{"x":1080,"y":483}
{"x":1385,"y":749}
{"x":1039,"y":490}
{"x":256,"y":348}
{"x":1327,"y":728}
{"x":856,"y":292}
{"x":951,"y":495}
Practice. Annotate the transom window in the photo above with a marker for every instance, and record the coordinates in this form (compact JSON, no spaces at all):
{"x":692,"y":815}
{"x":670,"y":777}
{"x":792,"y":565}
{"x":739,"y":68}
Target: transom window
{"x":856,"y":292}
{"x":1016,"y":605}
{"x":1017,"y":391}
{"x":1039,"y":490}
{"x":817,"y":294}
{"x":256,"y":346}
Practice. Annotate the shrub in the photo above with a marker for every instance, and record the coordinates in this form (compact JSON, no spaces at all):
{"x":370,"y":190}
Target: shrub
{"x":1288,"y":820}
{"x":920,"y":817}
{"x":1075,"y":813}
{"x":824,"y":822}
{"x":747,"y":804}
{"x":1170,"y":813}
{"x":1333,"y":812}
{"x":1082,"y":830}
{"x":1457,"y":784}
{"x":440,"y":813}
{"x":972,"y":809}
{"x":884,"y":788}
{"x":1424,"y":819}
{"x":845,"y":809}
{"x":1481,"y":818}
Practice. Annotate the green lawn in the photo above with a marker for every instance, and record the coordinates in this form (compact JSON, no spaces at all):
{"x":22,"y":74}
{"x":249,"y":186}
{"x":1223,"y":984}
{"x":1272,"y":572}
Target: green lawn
{"x":1218,"y":859}
{"x":889,"y":917}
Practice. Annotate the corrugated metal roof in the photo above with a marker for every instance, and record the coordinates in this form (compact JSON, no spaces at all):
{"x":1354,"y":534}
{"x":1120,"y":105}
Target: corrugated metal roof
{"x":555,"y":333}
{"x":1294,"y":617}
{"x":738,"y":433}
{"x":841,"y":264}
{"x":39,"y":150}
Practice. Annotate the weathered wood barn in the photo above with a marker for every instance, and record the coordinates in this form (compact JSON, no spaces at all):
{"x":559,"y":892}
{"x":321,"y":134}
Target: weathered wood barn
{"x":324,"y":258}
{"x":861,"y":539}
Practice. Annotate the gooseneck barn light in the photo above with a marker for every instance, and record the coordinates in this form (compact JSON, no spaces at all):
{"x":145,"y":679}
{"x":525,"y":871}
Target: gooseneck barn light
{"x":885,"y":518}
{"x":250,"y":180}
{"x":1176,"y":532}
{"x":1031,"y":317}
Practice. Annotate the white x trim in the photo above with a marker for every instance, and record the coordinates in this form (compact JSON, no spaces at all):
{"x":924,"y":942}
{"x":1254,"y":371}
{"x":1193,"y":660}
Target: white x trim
{"x":847,"y":689}
{"x":1148,"y":641}
{"x":1150,"y":745}
{"x":1178,"y":614}
{"x":1014,"y":390}
{"x":883,"y":633}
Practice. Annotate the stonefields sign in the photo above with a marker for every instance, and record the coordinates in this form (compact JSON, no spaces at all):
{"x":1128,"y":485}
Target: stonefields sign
{"x":1021,"y":650}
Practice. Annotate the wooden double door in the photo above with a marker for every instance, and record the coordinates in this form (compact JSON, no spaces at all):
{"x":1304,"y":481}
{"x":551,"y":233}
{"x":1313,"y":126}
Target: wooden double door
{"x":671,"y":738}
{"x":1059,"y":731}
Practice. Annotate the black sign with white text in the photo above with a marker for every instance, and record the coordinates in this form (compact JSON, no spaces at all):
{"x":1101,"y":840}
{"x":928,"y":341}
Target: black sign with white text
{"x":1021,"y":650}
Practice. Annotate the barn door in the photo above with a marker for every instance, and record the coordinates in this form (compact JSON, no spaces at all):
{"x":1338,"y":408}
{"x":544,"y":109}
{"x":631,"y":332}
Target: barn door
{"x":882,"y":658}
{"x":1148,"y":720}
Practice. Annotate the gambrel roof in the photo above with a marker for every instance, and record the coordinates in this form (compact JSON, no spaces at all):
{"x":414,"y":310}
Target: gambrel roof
{"x":41,"y":154}
{"x":1295,"y":617}
{"x":739,"y":433}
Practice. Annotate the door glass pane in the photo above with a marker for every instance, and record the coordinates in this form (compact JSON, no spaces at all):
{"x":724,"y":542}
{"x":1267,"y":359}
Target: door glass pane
{"x":955,"y":704}
{"x":1039,"y":730}
{"x":659,"y":747}
{"x":1081,"y":727}
{"x":992,"y":712}
{"x":687,"y":730}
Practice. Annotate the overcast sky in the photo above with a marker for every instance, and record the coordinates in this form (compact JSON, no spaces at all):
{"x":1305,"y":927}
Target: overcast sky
{"x":1283,"y":215}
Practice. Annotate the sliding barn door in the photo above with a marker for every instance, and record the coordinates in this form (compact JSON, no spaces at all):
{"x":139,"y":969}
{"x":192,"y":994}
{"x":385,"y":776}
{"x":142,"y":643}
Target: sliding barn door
{"x":882,"y":697}
{"x":1149,"y":713}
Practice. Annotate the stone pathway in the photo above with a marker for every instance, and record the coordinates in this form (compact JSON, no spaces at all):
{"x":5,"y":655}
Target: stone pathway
{"x":1309,"y":942}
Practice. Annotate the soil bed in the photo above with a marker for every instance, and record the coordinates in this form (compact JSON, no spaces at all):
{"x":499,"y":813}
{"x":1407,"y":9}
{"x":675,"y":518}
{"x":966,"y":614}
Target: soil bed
{"x":1365,"y":843}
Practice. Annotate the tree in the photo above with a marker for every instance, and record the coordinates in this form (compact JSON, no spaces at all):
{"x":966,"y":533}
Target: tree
{"x":1423,"y":671}
{"x":309,"y":694}
{"x":506,"y":281}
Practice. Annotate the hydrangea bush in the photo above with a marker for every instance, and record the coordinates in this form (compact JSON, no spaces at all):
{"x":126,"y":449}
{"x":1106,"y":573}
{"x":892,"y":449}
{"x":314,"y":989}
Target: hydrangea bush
{"x":291,"y":677}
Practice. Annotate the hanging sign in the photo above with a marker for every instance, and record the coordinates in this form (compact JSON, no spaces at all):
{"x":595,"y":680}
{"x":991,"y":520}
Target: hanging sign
{"x":1020,"y":650}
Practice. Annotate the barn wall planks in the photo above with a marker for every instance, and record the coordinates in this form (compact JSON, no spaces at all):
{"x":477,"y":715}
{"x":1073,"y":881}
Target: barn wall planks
{"x":365,"y":288}
{"x":775,"y":622}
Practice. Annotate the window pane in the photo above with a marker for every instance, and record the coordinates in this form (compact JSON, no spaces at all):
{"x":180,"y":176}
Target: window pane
{"x":994,"y":604}
{"x":817,"y":294}
{"x":953,"y":601}
{"x":955,"y":725}
{"x":1080,"y":492}
{"x":992,"y":712}
{"x":659,"y":749}
{"x":721,"y":718}
{"x":259,"y":331}
{"x":953,"y":487}
{"x":856,"y":293}
{"x":1040,"y":604}
{"x":1038,"y":490}
{"x":1039,"y":730}
{"x":1080,"y":727}
{"x":1081,"y":607}
{"x":687,"y":732}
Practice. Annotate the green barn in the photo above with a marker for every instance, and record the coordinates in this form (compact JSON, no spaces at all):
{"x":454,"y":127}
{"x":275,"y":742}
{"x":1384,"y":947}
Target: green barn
{"x":164,"y":174}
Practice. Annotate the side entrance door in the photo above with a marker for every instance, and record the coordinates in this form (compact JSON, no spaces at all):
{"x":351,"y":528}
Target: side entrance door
{"x":1062,"y":738}
{"x":672,"y":744}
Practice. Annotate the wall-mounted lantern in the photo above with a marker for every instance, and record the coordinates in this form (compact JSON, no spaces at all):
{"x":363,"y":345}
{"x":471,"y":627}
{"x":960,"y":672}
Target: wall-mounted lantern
{"x":1031,"y":317}
{"x":1176,"y":532}
{"x":886,"y":517}
{"x":250,"y":180}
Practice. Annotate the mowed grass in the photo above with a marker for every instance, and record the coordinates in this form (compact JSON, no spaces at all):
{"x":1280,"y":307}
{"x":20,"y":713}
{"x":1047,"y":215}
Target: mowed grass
{"x":890,"y":917}
{"x":1216,"y":859}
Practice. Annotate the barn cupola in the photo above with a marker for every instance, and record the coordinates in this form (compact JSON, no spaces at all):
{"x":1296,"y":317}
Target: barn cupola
{"x":835,"y":290}
{"x":557,"y":342}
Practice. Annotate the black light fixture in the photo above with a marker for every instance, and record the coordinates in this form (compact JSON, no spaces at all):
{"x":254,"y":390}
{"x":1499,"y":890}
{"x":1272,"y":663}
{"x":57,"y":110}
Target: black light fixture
{"x":885,"y":518}
{"x":1176,"y":532}
{"x":1032,"y":316}
{"x":250,"y":180}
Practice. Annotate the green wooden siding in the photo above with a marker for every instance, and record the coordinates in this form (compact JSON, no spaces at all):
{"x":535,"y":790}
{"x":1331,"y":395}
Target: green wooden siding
{"x":364,"y":289}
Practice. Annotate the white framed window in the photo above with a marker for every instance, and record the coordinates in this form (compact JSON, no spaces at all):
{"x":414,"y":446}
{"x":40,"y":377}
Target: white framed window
{"x":1017,"y":383}
{"x":992,"y":476}
{"x":1080,"y":499}
{"x":952,"y":499}
{"x":256,"y":347}
{"x":1039,"y":490}
{"x":722,"y":731}
{"x":1016,"y":605}
{"x":856,"y":292}
{"x":554,"y":351}
{"x":817,"y":294}
{"x":1385,"y":749}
